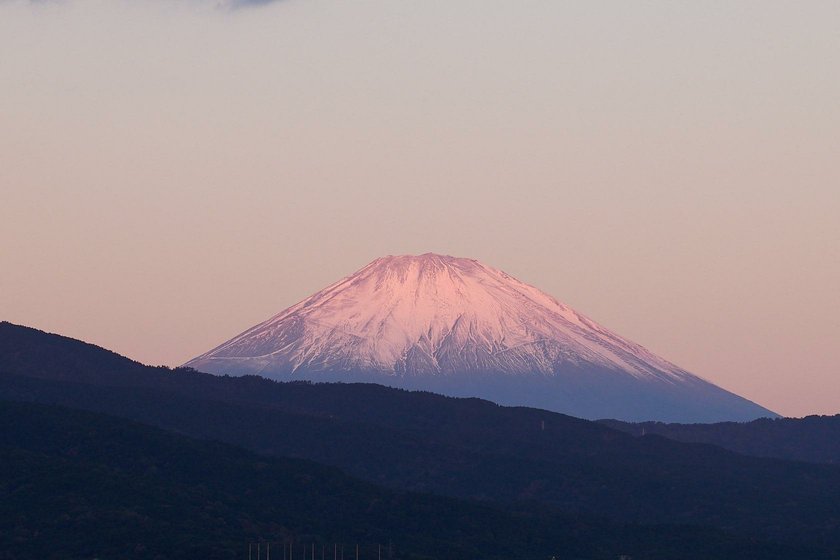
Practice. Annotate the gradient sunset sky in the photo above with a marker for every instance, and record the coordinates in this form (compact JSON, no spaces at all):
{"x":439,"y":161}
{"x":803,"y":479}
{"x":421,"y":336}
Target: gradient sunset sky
{"x":173,"y":172}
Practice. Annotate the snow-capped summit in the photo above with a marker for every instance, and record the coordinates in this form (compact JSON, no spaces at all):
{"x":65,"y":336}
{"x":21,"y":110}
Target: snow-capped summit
{"x":459,"y":327}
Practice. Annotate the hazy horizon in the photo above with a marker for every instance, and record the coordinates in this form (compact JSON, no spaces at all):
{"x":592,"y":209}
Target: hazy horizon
{"x":173,"y":173}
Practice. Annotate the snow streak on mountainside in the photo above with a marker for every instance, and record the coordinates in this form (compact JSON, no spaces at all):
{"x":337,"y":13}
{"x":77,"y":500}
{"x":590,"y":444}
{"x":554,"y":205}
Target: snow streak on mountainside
{"x":457,"y":326}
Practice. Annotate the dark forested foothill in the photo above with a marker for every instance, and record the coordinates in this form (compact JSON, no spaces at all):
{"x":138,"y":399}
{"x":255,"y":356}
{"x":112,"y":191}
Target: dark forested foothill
{"x":543,"y":474}
{"x":82,"y":485}
{"x":815,"y":439}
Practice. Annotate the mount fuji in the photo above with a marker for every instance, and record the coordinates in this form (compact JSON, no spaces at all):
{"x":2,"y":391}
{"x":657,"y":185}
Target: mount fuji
{"x":458,"y":327}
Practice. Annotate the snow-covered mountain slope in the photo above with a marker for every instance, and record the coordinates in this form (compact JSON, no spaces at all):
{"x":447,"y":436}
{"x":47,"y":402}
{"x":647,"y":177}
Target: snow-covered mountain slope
{"x":459,"y":327}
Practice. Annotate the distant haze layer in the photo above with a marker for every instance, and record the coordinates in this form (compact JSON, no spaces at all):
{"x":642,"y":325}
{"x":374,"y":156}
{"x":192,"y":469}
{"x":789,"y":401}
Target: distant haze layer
{"x":169,"y":171}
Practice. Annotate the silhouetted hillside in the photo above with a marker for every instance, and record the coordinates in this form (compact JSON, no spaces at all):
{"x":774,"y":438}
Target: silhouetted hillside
{"x":423,"y":442}
{"x":815,"y":439}
{"x":81,"y":485}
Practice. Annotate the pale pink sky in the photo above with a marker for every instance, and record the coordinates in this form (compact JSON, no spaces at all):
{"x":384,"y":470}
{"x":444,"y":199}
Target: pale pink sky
{"x":174,"y":172}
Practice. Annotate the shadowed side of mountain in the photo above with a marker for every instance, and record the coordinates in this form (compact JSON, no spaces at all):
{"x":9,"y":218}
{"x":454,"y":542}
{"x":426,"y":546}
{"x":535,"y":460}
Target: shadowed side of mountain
{"x":592,"y":393}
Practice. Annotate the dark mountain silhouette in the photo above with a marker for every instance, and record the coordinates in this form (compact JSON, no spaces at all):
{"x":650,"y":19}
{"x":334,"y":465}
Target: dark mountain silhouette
{"x":815,"y":439}
{"x":423,"y":442}
{"x":82,"y":485}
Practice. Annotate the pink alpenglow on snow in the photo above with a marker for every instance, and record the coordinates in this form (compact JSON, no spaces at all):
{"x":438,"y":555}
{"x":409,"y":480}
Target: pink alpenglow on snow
{"x":459,"y":327}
